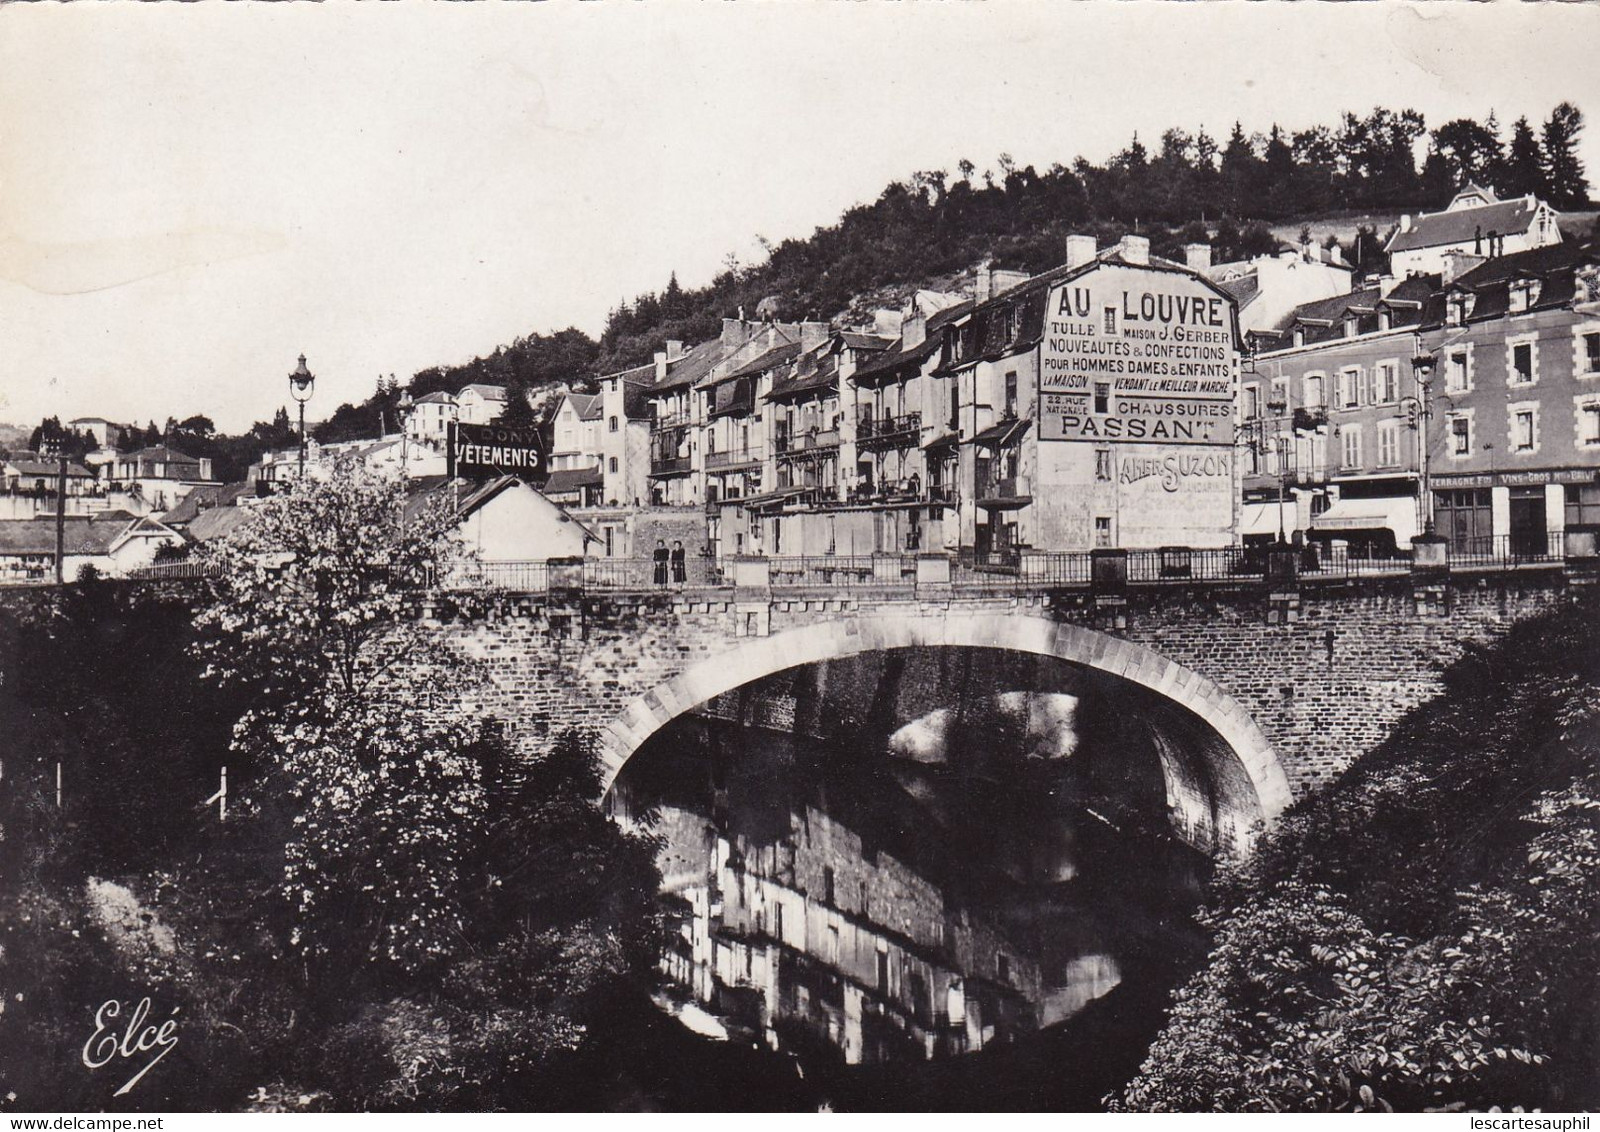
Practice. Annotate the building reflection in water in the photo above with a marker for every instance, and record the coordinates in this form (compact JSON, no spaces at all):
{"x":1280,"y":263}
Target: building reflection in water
{"x":866,"y":905}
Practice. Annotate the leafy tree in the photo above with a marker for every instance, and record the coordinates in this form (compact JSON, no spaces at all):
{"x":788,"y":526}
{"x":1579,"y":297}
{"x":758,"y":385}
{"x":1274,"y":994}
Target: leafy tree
{"x":1421,"y":935}
{"x":1563,"y":169}
{"x":52,"y":437}
{"x":1471,"y":151}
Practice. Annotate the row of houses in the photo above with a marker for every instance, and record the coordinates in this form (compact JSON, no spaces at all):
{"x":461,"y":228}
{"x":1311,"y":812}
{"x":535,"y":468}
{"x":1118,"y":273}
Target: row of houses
{"x":1034,"y":415}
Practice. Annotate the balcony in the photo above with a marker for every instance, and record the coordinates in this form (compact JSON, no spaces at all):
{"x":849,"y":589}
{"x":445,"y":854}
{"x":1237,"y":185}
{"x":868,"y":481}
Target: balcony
{"x":942,"y":493}
{"x":807,"y":442}
{"x":734,"y":458}
{"x":1005,"y":493}
{"x":888,"y":432}
{"x":1310,"y":419}
{"x":669,"y":465}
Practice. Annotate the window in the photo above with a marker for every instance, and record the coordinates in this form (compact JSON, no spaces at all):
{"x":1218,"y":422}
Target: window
{"x":1521,"y":362}
{"x":1350,"y":387}
{"x":955,"y":404}
{"x":1458,"y":308}
{"x":1102,"y":531}
{"x":1524,"y":421}
{"x":1011,"y":393}
{"x":613,"y":465}
{"x":827,"y":885}
{"x":1589,"y":423}
{"x":1583,"y":505}
{"x":1589,"y":353}
{"x":1459,"y":426}
{"x":1102,"y":396}
{"x":1110,"y":324}
{"x":611,"y":545}
{"x":613,"y":424}
{"x":1524,"y":293}
{"x":1389,"y":444}
{"x":1102,"y":465}
{"x":1002,"y":967}
{"x":1386,"y":383}
{"x":1252,"y":403}
{"x":1351,"y":326}
{"x":1280,"y":395}
{"x":1314,"y":394}
{"x":1458,"y":372}
{"x":1350,"y":435}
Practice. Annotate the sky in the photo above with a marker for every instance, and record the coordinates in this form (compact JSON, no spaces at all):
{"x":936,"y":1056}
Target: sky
{"x":191,"y":195}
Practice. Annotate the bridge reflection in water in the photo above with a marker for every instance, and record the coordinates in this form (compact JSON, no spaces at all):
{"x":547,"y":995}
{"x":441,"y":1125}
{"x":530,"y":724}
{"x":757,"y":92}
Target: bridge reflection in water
{"x":911,"y":856}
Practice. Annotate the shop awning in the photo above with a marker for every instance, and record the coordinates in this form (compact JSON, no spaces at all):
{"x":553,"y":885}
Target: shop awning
{"x":1397,"y":513}
{"x":1002,"y":434}
{"x":1262,"y":518}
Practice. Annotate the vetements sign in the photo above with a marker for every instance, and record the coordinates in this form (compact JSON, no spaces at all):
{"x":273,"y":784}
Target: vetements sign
{"x":1142,"y":357}
{"x":492,"y":449}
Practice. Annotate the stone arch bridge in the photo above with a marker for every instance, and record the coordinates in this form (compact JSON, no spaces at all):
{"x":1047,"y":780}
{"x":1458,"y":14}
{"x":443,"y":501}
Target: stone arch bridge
{"x":1287,"y":680}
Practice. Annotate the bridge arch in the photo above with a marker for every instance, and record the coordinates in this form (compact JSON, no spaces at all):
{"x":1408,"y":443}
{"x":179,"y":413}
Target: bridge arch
{"x":1249,"y":780}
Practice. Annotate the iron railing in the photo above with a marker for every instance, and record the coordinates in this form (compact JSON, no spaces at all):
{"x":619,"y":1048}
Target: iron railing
{"x":732,"y":458}
{"x":1516,"y":549}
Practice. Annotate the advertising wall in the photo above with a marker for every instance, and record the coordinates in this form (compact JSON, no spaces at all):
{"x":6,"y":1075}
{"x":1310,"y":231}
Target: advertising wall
{"x":1137,"y":357}
{"x":1137,"y":385}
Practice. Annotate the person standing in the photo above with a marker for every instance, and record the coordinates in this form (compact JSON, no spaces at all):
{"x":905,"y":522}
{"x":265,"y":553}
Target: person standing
{"x":680,"y":567}
{"x":660,"y":558}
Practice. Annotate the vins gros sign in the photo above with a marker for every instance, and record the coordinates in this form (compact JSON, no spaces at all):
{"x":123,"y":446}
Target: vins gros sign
{"x":1136,"y":356}
{"x":493,"y":449}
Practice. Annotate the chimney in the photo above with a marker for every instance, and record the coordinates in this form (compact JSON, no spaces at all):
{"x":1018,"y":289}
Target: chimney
{"x":732,"y":331}
{"x":1134,"y":249}
{"x":1386,"y":284}
{"x":661,"y":365}
{"x":674,"y":349}
{"x":205,"y":467}
{"x":887,"y":323}
{"x":1405,"y":222}
{"x":1457,"y":264}
{"x":812,"y":335}
{"x":1198,"y":257}
{"x":1080,"y":250}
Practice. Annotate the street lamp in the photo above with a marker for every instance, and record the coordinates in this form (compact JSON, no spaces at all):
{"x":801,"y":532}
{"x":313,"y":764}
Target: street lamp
{"x":300,"y":383}
{"x":1422,"y":366}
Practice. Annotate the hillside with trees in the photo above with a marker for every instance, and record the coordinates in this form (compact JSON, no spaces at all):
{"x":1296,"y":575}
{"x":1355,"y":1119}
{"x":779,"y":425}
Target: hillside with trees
{"x":1423,"y":933}
{"x":1183,"y":187}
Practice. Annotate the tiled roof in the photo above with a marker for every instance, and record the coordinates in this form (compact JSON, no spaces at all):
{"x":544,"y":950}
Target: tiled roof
{"x":160,"y":454}
{"x":692,"y":366}
{"x":216,"y":522}
{"x":1243,"y":289}
{"x":487,"y":392}
{"x":588,"y":406}
{"x":808,"y":374}
{"x":47,"y":468}
{"x":569,"y":479}
{"x":783,"y":352}
{"x":435,"y":399}
{"x":858,"y":341}
{"x":899,"y":356}
{"x":204,"y":498}
{"x":91,"y":535}
{"x":1435,"y":229}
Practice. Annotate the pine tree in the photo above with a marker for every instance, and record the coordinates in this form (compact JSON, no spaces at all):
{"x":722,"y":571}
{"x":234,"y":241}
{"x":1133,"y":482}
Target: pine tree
{"x":1562,"y":168}
{"x":1524,"y":167}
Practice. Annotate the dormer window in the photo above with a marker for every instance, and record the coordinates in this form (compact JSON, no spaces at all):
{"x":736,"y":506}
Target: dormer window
{"x":1524,"y":293}
{"x":1385,"y":318}
{"x":1588,"y":288}
{"x":1351,"y":326}
{"x":1299,"y":336}
{"x":1459,"y":308}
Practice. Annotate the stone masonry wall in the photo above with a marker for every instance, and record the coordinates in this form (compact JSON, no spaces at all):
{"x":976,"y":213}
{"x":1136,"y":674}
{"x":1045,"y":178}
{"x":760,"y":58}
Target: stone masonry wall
{"x":1322,"y":688}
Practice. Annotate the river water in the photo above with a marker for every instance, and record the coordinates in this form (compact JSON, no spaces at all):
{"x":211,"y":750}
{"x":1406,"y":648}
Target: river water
{"x":966,"y":897}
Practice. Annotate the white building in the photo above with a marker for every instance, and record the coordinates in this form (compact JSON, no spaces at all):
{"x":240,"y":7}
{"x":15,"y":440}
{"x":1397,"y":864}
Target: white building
{"x":1475,"y":222}
{"x":480,"y":404}
{"x":1268,"y":287}
{"x":430,"y":418}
